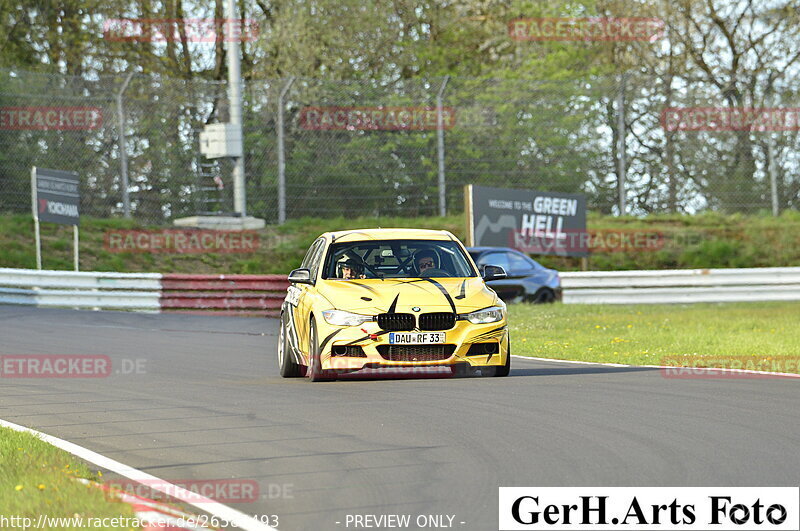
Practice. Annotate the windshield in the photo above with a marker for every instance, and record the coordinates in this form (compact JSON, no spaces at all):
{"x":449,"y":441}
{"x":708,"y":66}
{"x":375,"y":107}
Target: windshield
{"x":396,"y":259}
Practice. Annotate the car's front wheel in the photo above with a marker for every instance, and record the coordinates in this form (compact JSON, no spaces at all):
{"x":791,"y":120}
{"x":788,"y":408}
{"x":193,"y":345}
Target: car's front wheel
{"x":314,"y":371}
{"x":501,"y":370}
{"x":542,"y":296}
{"x":286,"y":363}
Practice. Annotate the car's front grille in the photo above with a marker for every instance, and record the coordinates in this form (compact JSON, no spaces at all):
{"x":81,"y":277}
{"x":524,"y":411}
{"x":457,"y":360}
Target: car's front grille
{"x":396,"y":322}
{"x":437,"y":321}
{"x":416,"y":352}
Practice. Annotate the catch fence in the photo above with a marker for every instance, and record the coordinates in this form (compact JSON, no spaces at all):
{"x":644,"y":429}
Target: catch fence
{"x":401,"y":148}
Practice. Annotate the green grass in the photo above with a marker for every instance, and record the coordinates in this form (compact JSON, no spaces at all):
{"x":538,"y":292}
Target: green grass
{"x":281,"y":248}
{"x":653,"y":334}
{"x":38,"y":478}
{"x":706,"y":240}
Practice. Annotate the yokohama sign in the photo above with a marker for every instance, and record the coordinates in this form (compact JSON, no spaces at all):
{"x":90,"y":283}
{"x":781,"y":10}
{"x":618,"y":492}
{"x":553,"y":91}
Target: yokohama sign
{"x":56,"y":196}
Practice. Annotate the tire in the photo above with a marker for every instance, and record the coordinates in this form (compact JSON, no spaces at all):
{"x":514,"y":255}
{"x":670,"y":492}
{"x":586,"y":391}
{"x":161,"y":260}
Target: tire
{"x":505,"y":369}
{"x":543,"y":296}
{"x":460,"y":370}
{"x":286,"y":364}
{"x":314,"y":370}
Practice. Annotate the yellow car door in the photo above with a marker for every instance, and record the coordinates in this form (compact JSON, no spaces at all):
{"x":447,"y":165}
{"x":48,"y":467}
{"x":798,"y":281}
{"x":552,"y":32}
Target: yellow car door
{"x":306,"y":296}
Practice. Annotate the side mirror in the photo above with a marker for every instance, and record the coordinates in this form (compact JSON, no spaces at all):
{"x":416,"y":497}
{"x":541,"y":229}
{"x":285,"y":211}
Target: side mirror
{"x":491,"y":272}
{"x":300,"y":276}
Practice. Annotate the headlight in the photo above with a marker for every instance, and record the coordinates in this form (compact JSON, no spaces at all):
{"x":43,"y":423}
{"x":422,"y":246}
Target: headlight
{"x":343,"y":318}
{"x":487,"y":315}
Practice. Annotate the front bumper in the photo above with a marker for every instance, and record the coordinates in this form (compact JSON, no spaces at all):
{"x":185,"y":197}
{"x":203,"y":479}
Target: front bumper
{"x":375,"y":351}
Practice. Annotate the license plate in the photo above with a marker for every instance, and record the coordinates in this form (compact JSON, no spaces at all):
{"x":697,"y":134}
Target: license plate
{"x":416,"y":338}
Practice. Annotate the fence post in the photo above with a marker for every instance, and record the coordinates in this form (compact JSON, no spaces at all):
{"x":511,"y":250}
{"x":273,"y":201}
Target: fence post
{"x":123,"y":151}
{"x":282,"y":155}
{"x":773,"y":176}
{"x":622,"y":163}
{"x":440,"y":148}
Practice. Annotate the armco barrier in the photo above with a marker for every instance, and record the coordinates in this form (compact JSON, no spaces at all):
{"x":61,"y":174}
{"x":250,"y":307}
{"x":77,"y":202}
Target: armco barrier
{"x":86,"y":290}
{"x":682,"y":286}
{"x":261,"y":295}
{"x":256,"y":295}
{"x":252,"y":295}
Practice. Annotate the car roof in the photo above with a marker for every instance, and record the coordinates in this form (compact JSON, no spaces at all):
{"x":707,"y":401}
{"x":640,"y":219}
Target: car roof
{"x":388,"y":234}
{"x":487,"y":249}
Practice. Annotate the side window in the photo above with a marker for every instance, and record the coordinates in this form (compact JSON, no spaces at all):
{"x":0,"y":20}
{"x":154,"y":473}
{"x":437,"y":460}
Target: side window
{"x":518,"y":262}
{"x":309,"y":254}
{"x":498,"y":259}
{"x":316,"y":258}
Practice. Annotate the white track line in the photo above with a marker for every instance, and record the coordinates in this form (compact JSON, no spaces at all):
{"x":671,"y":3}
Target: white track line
{"x":673,"y":367}
{"x":234,"y":517}
{"x":569,"y":361}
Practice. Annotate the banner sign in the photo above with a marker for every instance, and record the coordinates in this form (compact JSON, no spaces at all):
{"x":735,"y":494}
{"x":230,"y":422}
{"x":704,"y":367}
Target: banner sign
{"x":528,"y":220}
{"x":643,"y":508}
{"x":56,"y":196}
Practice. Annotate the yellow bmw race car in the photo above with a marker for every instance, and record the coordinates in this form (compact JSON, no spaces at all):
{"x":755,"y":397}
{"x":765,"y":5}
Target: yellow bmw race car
{"x":403,"y":298}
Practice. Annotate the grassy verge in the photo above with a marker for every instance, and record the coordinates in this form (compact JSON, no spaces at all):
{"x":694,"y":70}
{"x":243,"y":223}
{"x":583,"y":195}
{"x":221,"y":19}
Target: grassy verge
{"x":37,"y":478}
{"x":707,"y":240}
{"x":651,"y":334}
{"x":281,"y":248}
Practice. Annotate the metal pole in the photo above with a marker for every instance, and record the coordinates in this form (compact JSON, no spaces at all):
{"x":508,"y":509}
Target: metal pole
{"x":76,"y":252}
{"x":235,"y":103}
{"x":773,"y":177}
{"x":34,"y":206}
{"x":282,"y":156}
{"x":123,"y":151}
{"x":622,"y":169}
{"x":468,"y":209}
{"x":440,"y":148}
{"x":38,"y":244}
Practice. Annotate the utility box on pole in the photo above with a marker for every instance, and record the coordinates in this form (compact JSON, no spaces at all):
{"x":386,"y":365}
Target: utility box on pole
{"x":221,"y":140}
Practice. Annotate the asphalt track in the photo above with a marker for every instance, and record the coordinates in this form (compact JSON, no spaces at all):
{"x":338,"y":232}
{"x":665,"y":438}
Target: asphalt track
{"x":209,"y":404}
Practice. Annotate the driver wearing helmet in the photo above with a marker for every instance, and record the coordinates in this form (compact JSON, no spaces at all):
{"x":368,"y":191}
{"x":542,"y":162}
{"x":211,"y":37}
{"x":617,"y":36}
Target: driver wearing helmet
{"x":350,"y":269}
{"x":426,"y":259}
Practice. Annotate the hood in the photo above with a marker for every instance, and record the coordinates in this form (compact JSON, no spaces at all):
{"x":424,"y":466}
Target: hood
{"x":374,"y":296}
